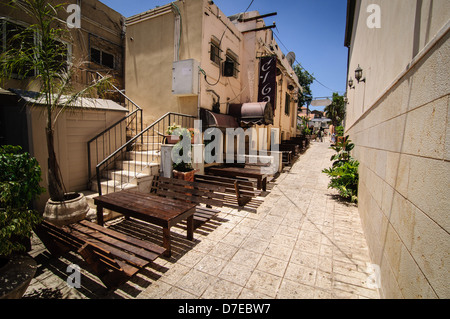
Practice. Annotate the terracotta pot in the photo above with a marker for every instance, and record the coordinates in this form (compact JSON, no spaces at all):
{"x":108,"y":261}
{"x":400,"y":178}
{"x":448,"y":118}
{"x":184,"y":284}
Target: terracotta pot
{"x":70,"y":211}
{"x":187,"y":176}
{"x":172,"y":139}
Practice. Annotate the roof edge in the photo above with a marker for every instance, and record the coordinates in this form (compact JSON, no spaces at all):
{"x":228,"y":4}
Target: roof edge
{"x":351,"y":6}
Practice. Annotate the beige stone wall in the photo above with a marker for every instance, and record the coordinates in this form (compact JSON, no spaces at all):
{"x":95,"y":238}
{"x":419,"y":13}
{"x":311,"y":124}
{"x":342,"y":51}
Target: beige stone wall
{"x":398,"y":120}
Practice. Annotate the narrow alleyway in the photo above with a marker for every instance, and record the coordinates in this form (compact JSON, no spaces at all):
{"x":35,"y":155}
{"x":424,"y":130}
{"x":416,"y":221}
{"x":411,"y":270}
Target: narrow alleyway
{"x":303,"y":242}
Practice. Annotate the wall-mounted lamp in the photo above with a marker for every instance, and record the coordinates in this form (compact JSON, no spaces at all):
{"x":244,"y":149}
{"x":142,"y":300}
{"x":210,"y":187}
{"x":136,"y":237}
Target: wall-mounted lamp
{"x":350,"y":83}
{"x":359,"y":74}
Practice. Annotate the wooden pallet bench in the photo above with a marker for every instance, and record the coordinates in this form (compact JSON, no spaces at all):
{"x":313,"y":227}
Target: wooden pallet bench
{"x":294,"y":148}
{"x":302,"y":142}
{"x":240,"y":190}
{"x":192,"y":192}
{"x":151,"y":208}
{"x":114,"y":257}
{"x":236,"y":172}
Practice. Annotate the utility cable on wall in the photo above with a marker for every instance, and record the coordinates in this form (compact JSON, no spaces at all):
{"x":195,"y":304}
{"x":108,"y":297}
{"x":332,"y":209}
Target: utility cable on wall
{"x":220,"y":65}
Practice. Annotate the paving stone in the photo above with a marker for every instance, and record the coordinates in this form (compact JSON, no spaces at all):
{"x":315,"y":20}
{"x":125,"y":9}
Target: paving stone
{"x":301,"y":243}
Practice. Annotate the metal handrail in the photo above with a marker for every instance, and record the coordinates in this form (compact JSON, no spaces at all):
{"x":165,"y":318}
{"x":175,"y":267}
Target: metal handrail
{"x":126,"y":97}
{"x":132,"y":141}
{"x":109,"y":129}
{"x":112,"y":126}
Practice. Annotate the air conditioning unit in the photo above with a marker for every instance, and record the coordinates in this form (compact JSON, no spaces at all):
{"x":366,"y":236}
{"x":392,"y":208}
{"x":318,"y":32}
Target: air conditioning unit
{"x":228,"y":69}
{"x":185,"y":80}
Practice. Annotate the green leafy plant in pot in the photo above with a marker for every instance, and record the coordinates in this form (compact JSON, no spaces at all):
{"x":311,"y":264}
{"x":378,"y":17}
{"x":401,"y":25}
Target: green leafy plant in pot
{"x":182,"y":165}
{"x":20,"y":175}
{"x":171,"y":137}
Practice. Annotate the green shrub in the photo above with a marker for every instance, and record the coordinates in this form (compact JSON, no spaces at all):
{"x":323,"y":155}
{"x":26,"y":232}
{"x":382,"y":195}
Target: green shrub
{"x":344,"y":178}
{"x":178,"y":155}
{"x":344,"y":171}
{"x":343,"y":152}
{"x":340,"y":130}
{"x":20,"y":175}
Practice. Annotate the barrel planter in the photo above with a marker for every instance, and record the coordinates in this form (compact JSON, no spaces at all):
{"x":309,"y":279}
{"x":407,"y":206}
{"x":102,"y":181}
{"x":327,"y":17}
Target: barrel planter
{"x":72,"y":210}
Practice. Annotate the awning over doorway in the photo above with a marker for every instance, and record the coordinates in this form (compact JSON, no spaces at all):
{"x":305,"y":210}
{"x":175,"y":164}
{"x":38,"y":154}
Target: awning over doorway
{"x":220,"y":121}
{"x":252,"y":113}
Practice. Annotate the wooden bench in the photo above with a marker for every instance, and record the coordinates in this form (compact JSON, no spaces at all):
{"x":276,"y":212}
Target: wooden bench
{"x":302,"y":142}
{"x":235,"y":172}
{"x":192,"y":192}
{"x":151,"y":208}
{"x":114,"y":257}
{"x":287,"y":157}
{"x":293,"y":148}
{"x":242,"y":191}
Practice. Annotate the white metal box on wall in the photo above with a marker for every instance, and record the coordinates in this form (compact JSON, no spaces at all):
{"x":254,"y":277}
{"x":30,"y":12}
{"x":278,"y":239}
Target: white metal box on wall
{"x":185,"y":77}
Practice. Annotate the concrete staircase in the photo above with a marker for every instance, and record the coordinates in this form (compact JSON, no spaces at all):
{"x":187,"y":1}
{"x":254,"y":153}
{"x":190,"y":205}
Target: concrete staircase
{"x":134,"y":172}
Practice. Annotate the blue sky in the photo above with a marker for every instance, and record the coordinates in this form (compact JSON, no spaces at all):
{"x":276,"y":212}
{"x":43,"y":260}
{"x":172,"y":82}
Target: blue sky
{"x":312,"y":29}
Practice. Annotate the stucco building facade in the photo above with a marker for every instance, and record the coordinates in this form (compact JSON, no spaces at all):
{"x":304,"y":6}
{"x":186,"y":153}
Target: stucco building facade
{"x":97,"y":46}
{"x":198,"y":30}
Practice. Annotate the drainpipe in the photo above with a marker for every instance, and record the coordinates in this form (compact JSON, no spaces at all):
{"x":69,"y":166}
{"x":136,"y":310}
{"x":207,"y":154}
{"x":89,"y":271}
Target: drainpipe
{"x":177,"y":32}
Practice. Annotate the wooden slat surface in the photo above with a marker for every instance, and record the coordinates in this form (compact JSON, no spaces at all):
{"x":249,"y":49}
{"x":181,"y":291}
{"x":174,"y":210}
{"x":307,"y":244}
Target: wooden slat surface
{"x":115,"y":242}
{"x":238,"y":171}
{"x":135,"y":260}
{"x":137,"y":242}
{"x":246,"y":188}
{"x":157,"y":209}
{"x":206,"y":186}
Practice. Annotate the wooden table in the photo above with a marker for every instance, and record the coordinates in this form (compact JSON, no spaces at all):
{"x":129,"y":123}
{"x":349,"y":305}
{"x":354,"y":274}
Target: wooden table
{"x":160,"y":211}
{"x":241,"y":172}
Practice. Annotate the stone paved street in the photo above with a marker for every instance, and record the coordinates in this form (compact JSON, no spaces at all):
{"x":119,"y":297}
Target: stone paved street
{"x":301,"y":243}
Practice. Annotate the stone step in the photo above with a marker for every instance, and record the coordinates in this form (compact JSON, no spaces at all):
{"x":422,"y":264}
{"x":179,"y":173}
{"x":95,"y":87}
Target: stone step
{"x":137,"y":166}
{"x":111,"y":186}
{"x":150,"y":139}
{"x":124,"y":177}
{"x":147,"y":146}
{"x":147,"y":156}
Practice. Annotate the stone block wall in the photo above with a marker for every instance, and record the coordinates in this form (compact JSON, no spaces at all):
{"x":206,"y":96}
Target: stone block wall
{"x":403,"y":144}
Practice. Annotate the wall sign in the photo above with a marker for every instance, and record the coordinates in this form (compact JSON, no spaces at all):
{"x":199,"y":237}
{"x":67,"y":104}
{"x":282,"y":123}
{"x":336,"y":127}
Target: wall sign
{"x":268,"y":80}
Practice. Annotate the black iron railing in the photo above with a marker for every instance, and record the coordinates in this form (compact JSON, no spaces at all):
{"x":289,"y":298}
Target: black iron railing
{"x":136,"y":157}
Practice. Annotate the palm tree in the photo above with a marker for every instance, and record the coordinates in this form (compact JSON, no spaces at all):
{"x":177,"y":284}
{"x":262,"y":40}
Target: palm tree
{"x":46,"y":61}
{"x":336,"y":110}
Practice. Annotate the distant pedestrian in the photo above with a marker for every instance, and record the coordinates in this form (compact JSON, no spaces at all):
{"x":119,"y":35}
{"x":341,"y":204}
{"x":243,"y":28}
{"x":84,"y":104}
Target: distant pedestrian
{"x":333,"y":139}
{"x":320,"y":134}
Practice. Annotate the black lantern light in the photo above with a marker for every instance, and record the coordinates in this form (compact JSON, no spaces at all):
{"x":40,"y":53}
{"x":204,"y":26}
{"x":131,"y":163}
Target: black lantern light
{"x":350,"y":83}
{"x":359,"y":74}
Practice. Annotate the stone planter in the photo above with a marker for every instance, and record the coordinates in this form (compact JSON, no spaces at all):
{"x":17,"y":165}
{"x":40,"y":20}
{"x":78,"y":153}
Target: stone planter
{"x":74,"y":209}
{"x":16,"y":276}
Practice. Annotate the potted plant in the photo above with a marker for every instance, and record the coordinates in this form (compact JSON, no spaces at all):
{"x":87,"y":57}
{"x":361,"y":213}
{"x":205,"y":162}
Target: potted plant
{"x":170,"y":137}
{"x":54,"y":75}
{"x":20,"y":176}
{"x":182,"y":166}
